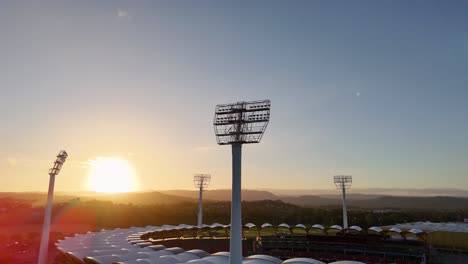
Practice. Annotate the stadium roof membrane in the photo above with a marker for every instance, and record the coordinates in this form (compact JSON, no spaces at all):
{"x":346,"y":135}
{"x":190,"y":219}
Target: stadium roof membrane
{"x":418,"y":227}
{"x":126,"y":246}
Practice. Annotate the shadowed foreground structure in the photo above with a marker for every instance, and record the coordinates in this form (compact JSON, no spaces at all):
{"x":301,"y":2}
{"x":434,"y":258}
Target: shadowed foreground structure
{"x":266,"y":244}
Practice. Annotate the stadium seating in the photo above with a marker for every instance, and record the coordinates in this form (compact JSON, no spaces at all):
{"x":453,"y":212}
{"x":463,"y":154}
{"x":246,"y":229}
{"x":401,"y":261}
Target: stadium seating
{"x":266,"y":244}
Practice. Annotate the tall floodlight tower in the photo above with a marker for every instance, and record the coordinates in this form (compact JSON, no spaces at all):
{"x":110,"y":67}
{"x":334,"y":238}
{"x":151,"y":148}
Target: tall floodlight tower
{"x":61,"y":157}
{"x":343,"y":182}
{"x":201,"y":182}
{"x":236,"y":124}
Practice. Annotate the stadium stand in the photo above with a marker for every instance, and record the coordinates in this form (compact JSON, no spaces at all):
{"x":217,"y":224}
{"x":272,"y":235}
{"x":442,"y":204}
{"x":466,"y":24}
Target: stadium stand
{"x":266,"y":244}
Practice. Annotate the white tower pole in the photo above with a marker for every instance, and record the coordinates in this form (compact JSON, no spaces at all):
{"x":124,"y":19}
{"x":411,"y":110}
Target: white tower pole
{"x":236,"y":208}
{"x":343,"y":182}
{"x":345,"y":211}
{"x":236,"y":124}
{"x":201,"y":181}
{"x":46,"y":225}
{"x":200,"y":206}
{"x":61,"y":157}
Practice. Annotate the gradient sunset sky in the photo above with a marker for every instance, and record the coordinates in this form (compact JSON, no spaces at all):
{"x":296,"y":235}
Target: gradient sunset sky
{"x":375,"y":89}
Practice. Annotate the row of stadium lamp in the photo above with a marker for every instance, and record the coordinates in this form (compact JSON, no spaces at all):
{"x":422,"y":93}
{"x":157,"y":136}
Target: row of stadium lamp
{"x":256,"y":107}
{"x":235,"y":118}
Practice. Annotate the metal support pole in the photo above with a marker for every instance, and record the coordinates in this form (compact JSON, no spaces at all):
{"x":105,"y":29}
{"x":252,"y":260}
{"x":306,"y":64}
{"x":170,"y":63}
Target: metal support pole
{"x":236,"y":207}
{"x":200,"y":206}
{"x":46,"y":225}
{"x":345,"y":212}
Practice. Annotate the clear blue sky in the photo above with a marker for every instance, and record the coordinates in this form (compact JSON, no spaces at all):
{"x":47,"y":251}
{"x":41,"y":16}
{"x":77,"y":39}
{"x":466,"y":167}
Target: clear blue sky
{"x":376,"y":89}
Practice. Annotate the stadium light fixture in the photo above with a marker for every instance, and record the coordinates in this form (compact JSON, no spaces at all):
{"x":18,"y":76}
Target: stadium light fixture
{"x":343,"y":182}
{"x":201,"y":182}
{"x":54,"y":171}
{"x":236,"y":124}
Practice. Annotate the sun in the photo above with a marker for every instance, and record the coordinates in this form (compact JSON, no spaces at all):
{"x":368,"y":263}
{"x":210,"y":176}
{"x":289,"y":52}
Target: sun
{"x":111,"y":175}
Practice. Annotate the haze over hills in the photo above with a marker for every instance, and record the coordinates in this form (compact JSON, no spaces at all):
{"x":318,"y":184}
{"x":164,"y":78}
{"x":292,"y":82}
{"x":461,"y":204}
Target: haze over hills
{"x":254,"y":195}
{"x":225,"y":195}
{"x":383,"y":202}
{"x":144,"y":198}
{"x":369,"y":201}
{"x":452,"y":192}
{"x":35,"y":198}
{"x":137,"y":198}
{"x":355,"y":200}
{"x":353,"y":194}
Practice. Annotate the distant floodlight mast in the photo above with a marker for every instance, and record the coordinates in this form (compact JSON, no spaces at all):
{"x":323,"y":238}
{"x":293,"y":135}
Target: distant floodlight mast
{"x":201,"y":182}
{"x":344,"y":182}
{"x":236,"y":124}
{"x":61,"y":157}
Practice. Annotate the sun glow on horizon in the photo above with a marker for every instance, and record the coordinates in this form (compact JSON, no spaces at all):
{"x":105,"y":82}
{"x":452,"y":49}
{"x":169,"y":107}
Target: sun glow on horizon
{"x":111,"y":175}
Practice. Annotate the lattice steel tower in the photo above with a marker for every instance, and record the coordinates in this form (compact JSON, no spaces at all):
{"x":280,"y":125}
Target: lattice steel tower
{"x":343,"y":182}
{"x":236,"y":124}
{"x":201,"y":182}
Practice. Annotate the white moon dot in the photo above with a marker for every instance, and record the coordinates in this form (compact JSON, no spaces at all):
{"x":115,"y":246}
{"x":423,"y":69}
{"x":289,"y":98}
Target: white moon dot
{"x":358,"y":93}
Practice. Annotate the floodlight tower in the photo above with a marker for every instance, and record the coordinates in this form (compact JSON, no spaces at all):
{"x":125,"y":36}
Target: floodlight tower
{"x":343,"y":182}
{"x":201,"y":182}
{"x":236,"y":124}
{"x":61,"y":157}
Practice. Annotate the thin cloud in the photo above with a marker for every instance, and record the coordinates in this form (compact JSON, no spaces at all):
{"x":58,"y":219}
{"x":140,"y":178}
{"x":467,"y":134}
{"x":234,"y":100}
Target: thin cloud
{"x":24,"y":162}
{"x":205,"y":148}
{"x":77,"y":164}
{"x":122,"y":14}
{"x":11,"y":161}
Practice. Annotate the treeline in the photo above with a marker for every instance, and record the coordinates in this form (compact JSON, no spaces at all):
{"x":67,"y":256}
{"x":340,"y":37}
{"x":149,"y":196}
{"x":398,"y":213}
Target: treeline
{"x":109,"y":215}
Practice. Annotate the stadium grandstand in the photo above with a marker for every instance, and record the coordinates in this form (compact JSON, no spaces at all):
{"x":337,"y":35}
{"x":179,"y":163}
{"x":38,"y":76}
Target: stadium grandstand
{"x":449,"y":240}
{"x":264,"y":244}
{"x":452,"y":236}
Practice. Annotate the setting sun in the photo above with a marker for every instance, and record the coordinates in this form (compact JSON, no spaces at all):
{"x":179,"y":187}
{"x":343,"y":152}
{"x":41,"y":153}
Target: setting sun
{"x":109,"y":174}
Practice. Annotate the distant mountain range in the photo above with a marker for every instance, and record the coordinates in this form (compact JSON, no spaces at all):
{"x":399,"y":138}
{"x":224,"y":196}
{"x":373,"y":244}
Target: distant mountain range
{"x":356,"y":200}
{"x":452,"y":192}
{"x":383,"y":202}
{"x":225,"y":195}
{"x":368,"y":201}
{"x":137,"y":198}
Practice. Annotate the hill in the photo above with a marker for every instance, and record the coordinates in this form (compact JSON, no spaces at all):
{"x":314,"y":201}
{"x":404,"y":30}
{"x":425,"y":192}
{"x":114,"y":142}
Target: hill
{"x":427,"y":192}
{"x":225,"y":195}
{"x":181,"y":196}
{"x":400,"y":202}
{"x":383,"y":202}
{"x":34,"y":198}
{"x":143,"y":198}
{"x":137,"y":198}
